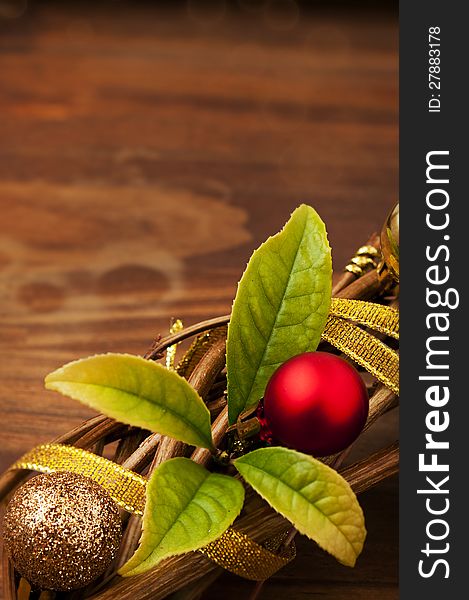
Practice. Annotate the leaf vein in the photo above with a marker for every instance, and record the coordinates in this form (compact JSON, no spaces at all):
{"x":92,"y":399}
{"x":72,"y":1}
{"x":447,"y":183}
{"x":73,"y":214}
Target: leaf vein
{"x":287,"y":282}
{"x":140,"y":399}
{"x":310,"y":504}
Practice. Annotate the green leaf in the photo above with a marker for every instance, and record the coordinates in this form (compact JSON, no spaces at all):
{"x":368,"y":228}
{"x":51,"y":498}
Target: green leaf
{"x":280,"y":308}
{"x":138,"y":392}
{"x":186,"y":508}
{"x":314,"y":497}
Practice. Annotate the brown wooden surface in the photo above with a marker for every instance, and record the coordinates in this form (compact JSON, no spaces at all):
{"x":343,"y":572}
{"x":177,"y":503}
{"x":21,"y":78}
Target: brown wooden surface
{"x":144,"y":152}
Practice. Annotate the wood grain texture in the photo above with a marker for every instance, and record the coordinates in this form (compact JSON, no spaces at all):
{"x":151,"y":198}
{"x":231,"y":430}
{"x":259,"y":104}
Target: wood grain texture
{"x":145,"y":151}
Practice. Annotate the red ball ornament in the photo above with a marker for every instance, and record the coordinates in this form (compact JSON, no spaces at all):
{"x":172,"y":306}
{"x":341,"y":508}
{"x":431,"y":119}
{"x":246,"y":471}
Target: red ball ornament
{"x":316,"y":403}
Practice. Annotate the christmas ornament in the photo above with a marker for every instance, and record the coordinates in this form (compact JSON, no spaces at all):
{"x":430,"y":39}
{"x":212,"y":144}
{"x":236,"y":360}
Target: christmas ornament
{"x":316,"y":403}
{"x":62,"y":530}
{"x":390,"y":246}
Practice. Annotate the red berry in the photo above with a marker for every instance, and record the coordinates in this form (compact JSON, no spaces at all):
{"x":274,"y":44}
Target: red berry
{"x":316,"y":403}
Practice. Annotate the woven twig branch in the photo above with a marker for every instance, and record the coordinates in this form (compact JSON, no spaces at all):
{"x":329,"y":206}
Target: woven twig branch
{"x":142,"y":452}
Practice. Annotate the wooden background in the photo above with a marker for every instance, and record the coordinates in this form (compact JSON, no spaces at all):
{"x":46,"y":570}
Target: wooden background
{"x":145,"y":150}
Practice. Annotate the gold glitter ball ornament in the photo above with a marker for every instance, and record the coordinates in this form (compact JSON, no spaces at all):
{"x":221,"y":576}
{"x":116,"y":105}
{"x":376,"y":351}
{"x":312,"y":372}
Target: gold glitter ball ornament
{"x":62,"y":531}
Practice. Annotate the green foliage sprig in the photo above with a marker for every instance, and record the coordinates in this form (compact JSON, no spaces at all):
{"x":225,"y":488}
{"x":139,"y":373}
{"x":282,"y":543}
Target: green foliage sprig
{"x":280,"y":310}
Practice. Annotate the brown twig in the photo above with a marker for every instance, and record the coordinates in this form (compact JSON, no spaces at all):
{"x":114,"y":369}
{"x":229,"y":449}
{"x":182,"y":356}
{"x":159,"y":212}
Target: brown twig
{"x":258,"y":587}
{"x":143,"y":455}
{"x":9,"y":585}
{"x":368,"y":286}
{"x":24,"y":589}
{"x":219,"y":427}
{"x":78,"y":432}
{"x":216,"y":406}
{"x":195,"y":590}
{"x":104,"y":429}
{"x":160,"y":347}
{"x":129,"y":444}
{"x":368,"y":472}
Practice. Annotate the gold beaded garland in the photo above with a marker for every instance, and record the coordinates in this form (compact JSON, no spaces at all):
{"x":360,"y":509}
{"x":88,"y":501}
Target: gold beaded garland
{"x":62,"y":530}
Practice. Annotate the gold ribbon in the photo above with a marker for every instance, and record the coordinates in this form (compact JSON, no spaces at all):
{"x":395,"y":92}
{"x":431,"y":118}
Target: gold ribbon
{"x":362,"y":347}
{"x":239,"y":554}
{"x":375,"y":316}
{"x":125,"y":487}
{"x":233,"y":551}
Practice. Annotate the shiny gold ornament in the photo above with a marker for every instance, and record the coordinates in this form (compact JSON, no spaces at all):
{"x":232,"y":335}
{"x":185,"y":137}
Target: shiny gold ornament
{"x":390,"y":246}
{"x":62,"y":530}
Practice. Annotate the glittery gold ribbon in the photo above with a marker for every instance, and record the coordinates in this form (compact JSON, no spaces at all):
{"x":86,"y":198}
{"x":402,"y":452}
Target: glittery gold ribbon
{"x":365,"y":349}
{"x":342,"y":331}
{"x":125,"y":487}
{"x":375,"y":316}
{"x":239,"y":554}
{"x":233,"y":551}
